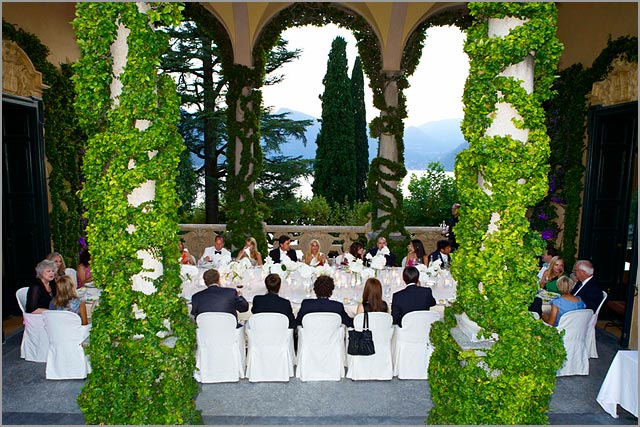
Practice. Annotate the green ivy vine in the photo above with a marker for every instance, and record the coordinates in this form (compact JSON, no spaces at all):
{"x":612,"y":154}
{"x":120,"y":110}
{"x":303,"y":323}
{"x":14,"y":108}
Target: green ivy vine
{"x":142,"y":341}
{"x":511,"y":383}
{"x":566,"y":124}
{"x":64,"y":143}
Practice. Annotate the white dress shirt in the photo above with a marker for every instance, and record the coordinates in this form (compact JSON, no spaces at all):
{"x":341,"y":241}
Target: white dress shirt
{"x":215,"y":257}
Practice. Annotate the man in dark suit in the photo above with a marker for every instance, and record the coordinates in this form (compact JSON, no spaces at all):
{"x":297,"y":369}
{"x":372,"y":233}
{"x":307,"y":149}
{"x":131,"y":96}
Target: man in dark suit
{"x":587,"y":288}
{"x":380,"y":244}
{"x":323,"y":287}
{"x":215,"y":299}
{"x":283,"y":249}
{"x":411,"y":298}
{"x":271,"y":302}
{"x":442,"y":253}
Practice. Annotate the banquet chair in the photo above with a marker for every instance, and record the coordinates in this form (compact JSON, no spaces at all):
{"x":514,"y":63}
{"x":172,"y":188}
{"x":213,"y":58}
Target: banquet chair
{"x":411,"y":345}
{"x":321,"y":348}
{"x":591,"y":333}
{"x":71,"y":272}
{"x":270,"y":354}
{"x":378,"y":366}
{"x":575,"y":324}
{"x":35,"y":341}
{"x":403,"y":264}
{"x":220,"y":354}
{"x":66,"y":359}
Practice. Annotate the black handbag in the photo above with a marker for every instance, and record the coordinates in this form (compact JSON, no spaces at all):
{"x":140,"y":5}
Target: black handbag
{"x":361,"y":342}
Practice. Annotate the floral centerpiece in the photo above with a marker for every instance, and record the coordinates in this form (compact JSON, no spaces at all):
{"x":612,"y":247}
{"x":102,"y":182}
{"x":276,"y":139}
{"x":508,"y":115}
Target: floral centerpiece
{"x":283,"y":269}
{"x":379,"y":261}
{"x":323,"y":270}
{"x":238,"y":268}
{"x":429,"y":273}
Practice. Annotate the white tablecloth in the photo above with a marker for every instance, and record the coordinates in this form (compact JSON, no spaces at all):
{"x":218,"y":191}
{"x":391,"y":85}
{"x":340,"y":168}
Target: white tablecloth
{"x":348,"y":287}
{"x":620,"y":386}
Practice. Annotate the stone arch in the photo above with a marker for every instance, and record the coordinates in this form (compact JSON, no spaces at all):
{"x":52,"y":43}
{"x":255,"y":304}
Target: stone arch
{"x":19,"y":76}
{"x":619,"y":86}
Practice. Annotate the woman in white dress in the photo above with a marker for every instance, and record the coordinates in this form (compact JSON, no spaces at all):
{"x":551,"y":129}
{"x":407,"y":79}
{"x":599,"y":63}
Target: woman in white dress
{"x":250,"y":250}
{"x":314,"y":257}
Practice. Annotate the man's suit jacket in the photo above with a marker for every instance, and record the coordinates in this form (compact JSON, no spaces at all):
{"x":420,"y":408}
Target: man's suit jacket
{"x":215,"y":299}
{"x":435,"y":255}
{"x":273,"y":303}
{"x":391,"y":258}
{"x":275,"y":255}
{"x":411,"y":298}
{"x":591,"y":293}
{"x":324,"y":305}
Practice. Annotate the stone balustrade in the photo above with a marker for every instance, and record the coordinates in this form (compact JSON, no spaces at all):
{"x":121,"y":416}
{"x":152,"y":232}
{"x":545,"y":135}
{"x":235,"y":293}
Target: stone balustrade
{"x":331,"y":237}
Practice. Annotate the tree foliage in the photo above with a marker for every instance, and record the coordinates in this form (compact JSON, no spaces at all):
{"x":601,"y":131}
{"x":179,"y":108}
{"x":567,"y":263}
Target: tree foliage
{"x":335,"y":163}
{"x":431,"y":198}
{"x":361,"y":141}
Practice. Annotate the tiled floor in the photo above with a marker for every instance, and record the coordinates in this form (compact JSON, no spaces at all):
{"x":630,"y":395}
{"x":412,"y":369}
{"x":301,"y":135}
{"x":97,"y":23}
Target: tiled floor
{"x":28,"y":398}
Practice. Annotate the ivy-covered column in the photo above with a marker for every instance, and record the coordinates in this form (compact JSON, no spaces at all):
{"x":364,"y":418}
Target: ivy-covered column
{"x":142,"y":341}
{"x":510,"y":376}
{"x":387,"y":170}
{"x":244,"y":153}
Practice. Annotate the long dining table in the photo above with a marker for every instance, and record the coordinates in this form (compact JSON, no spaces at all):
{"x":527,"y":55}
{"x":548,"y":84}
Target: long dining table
{"x":295,"y":287}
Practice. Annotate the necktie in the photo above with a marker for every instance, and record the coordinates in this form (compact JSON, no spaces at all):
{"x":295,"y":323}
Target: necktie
{"x":218,"y":252}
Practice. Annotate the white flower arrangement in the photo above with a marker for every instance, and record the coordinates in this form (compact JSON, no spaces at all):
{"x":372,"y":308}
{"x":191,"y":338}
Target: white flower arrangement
{"x":306,"y":271}
{"x":378,"y":262}
{"x":323,"y":270}
{"x":238,"y":268}
{"x":366,"y":273}
{"x":356,"y":266}
{"x":350,"y":258}
{"x":384,"y":251}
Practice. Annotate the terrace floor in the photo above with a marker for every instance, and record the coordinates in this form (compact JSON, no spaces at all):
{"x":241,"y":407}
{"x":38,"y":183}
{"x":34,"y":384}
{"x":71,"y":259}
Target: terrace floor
{"x":28,"y":398}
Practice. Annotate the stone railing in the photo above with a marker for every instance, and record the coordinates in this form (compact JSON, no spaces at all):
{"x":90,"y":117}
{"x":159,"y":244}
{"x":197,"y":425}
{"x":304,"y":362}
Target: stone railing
{"x":331,"y":237}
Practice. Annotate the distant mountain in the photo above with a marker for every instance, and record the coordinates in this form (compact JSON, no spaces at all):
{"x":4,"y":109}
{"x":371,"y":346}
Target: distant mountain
{"x":432,"y":141}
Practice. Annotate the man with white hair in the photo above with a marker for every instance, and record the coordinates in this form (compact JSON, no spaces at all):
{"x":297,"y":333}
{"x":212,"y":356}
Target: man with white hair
{"x":587,"y":288}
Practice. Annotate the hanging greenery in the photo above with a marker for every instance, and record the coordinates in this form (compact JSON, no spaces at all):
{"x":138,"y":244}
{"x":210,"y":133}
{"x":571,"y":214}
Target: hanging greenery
{"x":498,"y":178}
{"x":63,"y":143}
{"x":142,"y":341}
{"x":566,"y":124}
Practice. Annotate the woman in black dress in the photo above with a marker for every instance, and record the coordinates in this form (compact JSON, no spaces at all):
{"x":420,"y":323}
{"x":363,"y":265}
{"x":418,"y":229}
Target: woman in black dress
{"x":43,"y":289}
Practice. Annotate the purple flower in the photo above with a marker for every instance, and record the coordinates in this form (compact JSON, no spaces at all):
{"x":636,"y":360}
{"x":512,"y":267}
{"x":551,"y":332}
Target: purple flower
{"x":83,"y":242}
{"x":558,"y":200}
{"x":548,"y":234}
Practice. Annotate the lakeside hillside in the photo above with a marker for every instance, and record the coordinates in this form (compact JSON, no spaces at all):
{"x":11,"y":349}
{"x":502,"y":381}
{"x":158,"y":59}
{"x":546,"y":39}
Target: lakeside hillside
{"x":432,"y":141}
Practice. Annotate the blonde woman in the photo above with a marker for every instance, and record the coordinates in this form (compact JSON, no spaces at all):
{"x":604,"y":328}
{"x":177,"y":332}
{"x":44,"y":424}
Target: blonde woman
{"x":67,"y":299}
{"x":314,"y":257}
{"x":564,"y":303}
{"x":549,"y":280}
{"x":57,"y":258}
{"x":250,"y":250}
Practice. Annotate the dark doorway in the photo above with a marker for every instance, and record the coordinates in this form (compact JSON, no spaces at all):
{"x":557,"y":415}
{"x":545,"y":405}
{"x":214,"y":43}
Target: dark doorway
{"x":25,"y":218}
{"x":609,"y":215}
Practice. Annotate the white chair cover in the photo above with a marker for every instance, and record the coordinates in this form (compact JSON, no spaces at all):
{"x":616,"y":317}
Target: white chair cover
{"x":321,"y":348}
{"x":412,"y":348}
{"x":66,"y":359}
{"x":35,"y":341}
{"x":404,"y":262}
{"x":270,"y":354}
{"x":221,"y":354}
{"x":575,"y":324}
{"x":71,"y":272}
{"x":591,"y":334}
{"x":378,"y":366}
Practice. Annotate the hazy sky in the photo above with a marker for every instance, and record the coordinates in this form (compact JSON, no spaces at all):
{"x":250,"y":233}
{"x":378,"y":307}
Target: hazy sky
{"x":436,"y":86}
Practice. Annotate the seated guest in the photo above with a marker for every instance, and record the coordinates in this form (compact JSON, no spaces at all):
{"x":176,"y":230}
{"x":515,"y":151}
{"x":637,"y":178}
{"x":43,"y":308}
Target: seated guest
{"x":564,"y":303}
{"x":356,"y":249}
{"x":250,"y":251}
{"x":83,"y":270}
{"x":323,"y":287}
{"x":546,"y":257}
{"x":283,"y":250}
{"x":417,"y":254}
{"x":57,"y":258}
{"x":551,"y":275}
{"x":380,"y":244}
{"x":185,"y":257}
{"x":43,"y":289}
{"x":216,"y":299}
{"x":588,"y":287}
{"x":314,"y":256}
{"x":271,"y":302}
{"x":67,"y":299}
{"x":372,"y":297}
{"x":411,"y":298}
{"x":442,"y":253}
{"x":214,"y":254}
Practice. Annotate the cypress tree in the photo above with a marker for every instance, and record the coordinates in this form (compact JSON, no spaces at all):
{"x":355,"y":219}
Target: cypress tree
{"x":361,"y":141}
{"x":335,"y":164}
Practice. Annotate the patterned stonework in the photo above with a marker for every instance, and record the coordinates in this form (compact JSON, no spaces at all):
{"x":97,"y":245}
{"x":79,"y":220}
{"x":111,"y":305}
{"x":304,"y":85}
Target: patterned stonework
{"x":620,"y":86}
{"x":19,"y":76}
